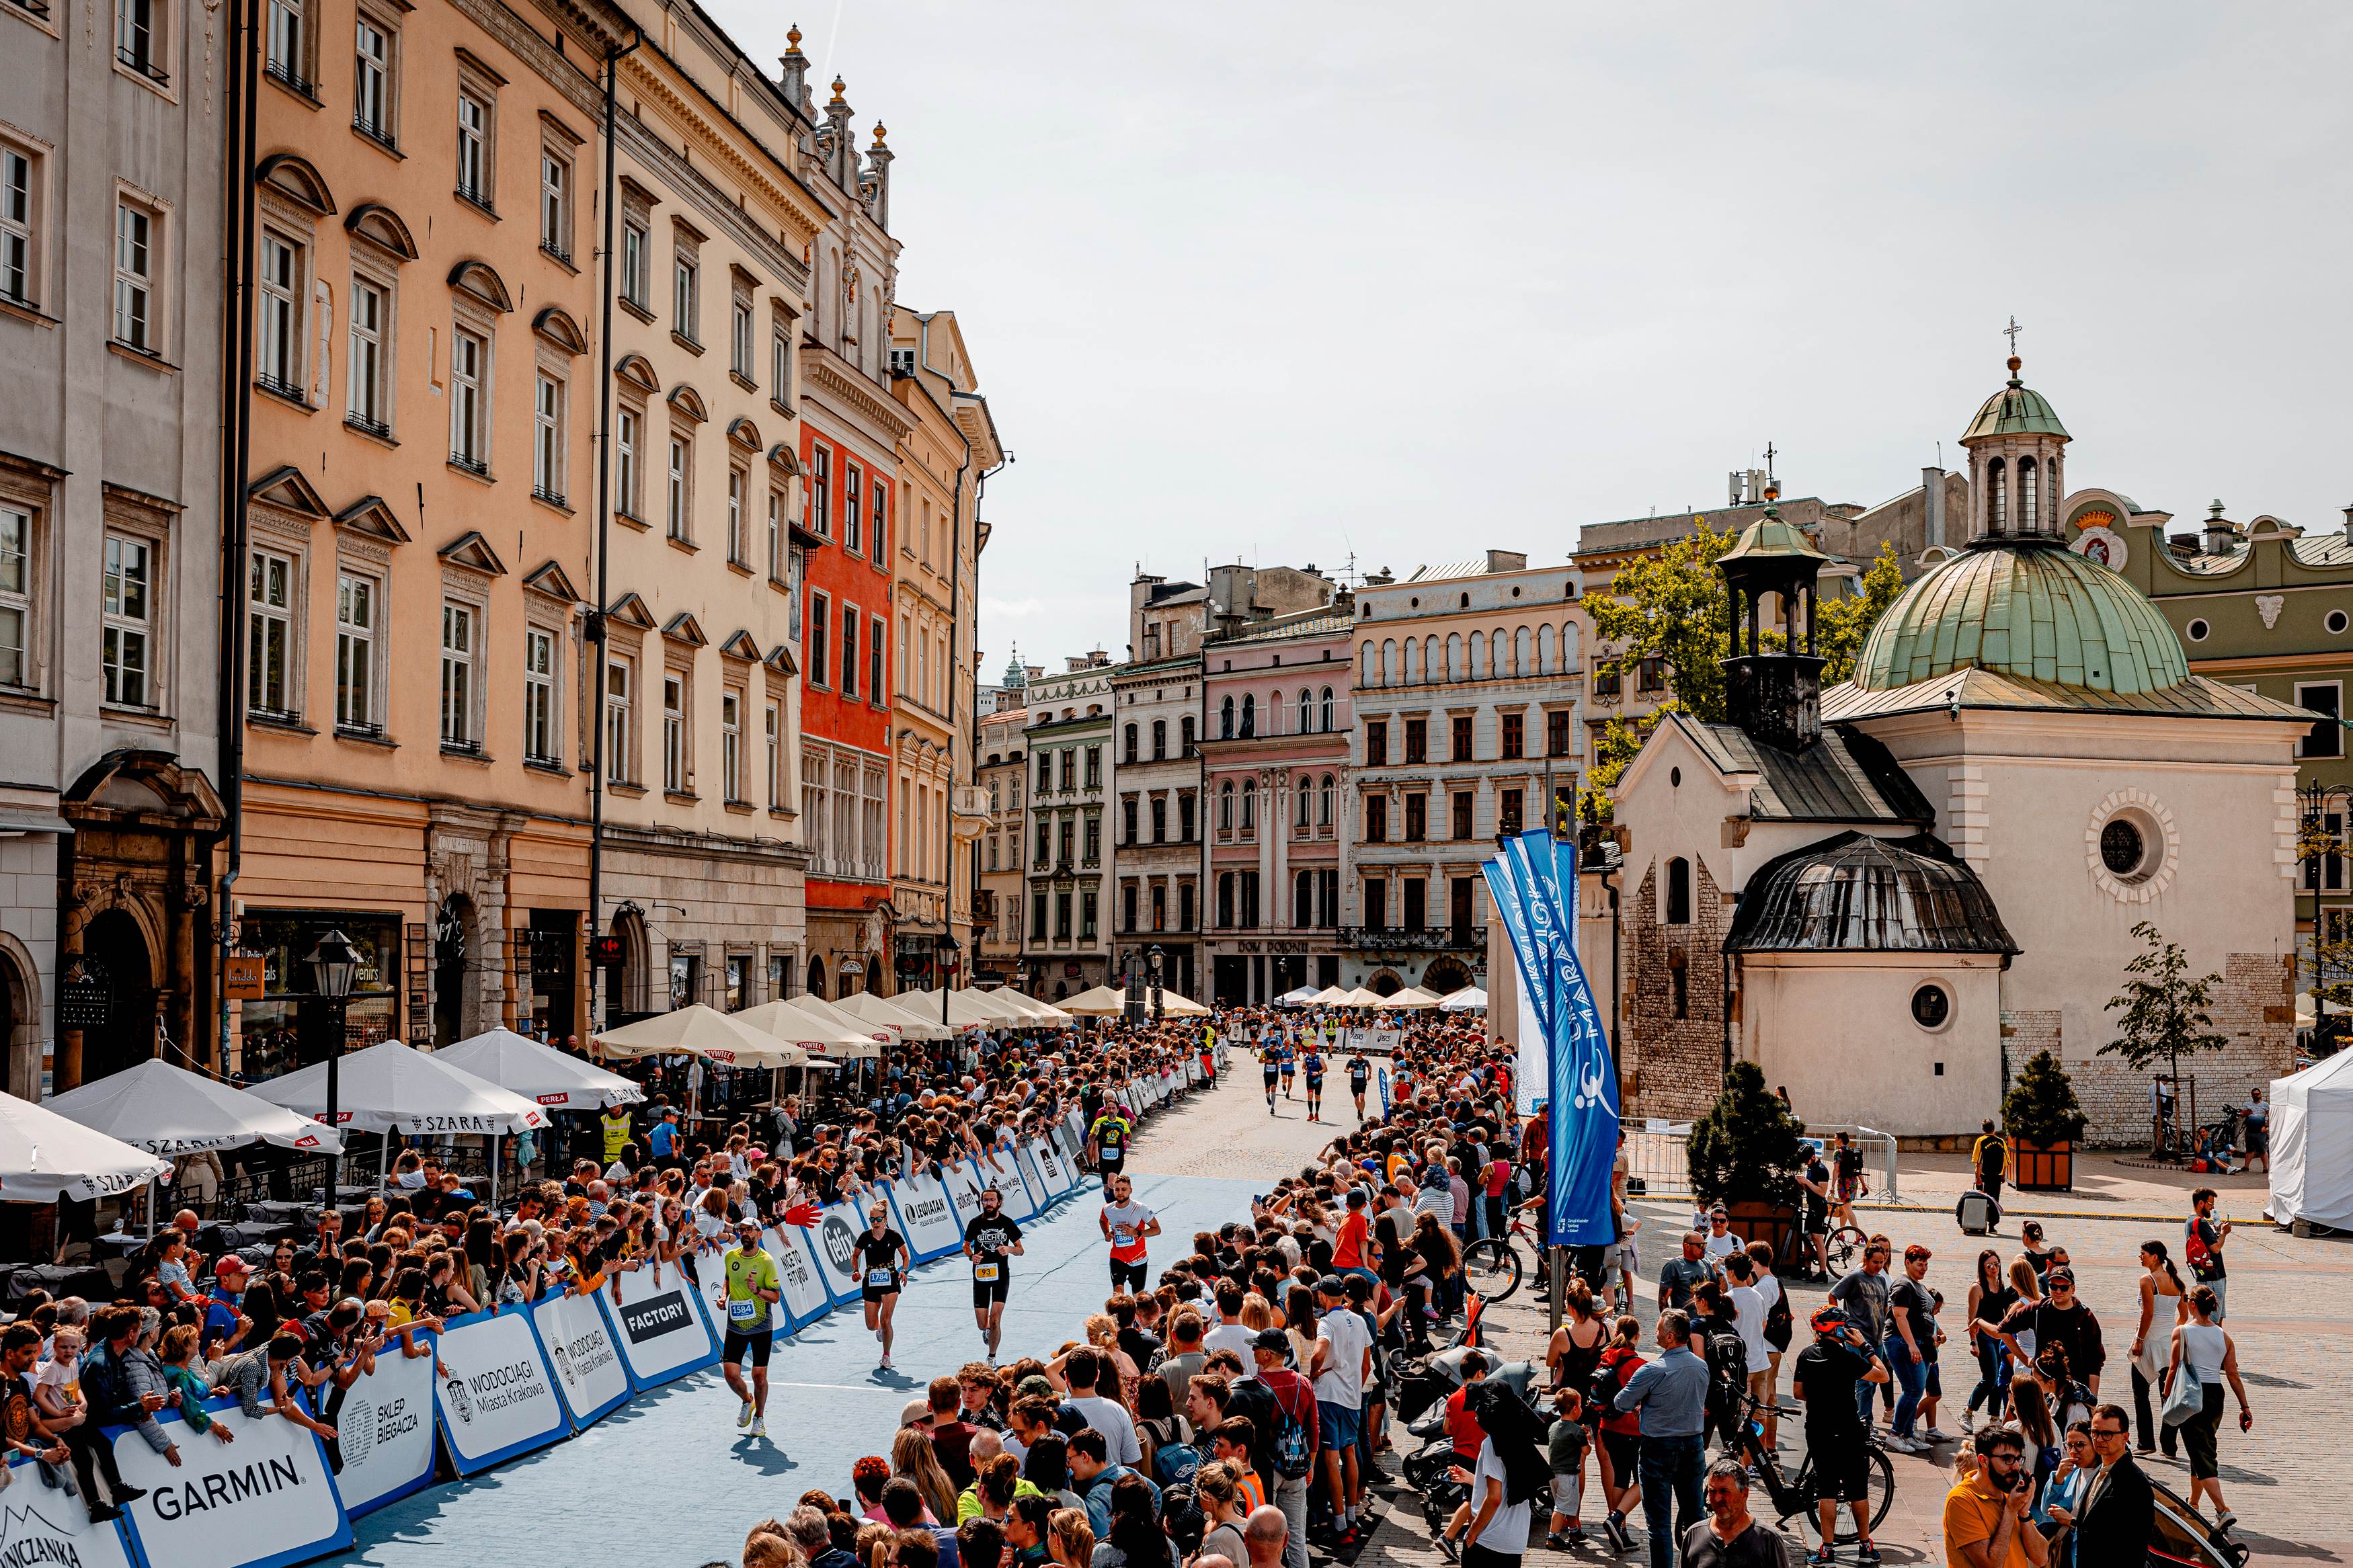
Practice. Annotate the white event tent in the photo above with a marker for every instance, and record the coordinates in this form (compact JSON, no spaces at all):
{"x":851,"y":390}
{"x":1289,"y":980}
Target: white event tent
{"x":2312,"y":1144}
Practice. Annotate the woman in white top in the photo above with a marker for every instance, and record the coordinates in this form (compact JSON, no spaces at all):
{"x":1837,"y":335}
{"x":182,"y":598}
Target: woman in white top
{"x":2161,"y":1291}
{"x":2202,"y":1351}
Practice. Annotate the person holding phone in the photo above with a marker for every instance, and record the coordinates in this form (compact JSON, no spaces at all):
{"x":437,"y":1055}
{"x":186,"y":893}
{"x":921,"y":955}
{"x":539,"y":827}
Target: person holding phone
{"x":1985,"y":1513}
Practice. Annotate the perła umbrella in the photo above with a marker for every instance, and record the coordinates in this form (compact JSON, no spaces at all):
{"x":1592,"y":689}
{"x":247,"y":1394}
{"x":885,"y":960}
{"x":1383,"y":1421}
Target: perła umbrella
{"x":539,"y":1073}
{"x":171,"y":1112}
{"x":392,"y":1087}
{"x":45,"y":1156}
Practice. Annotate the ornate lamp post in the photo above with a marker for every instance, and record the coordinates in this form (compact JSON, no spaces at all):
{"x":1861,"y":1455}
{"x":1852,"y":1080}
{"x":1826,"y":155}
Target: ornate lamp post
{"x":1156,"y":956}
{"x":334,"y":970}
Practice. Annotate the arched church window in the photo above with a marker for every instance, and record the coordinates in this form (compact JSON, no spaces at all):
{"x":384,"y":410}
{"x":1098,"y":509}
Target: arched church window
{"x":1997,"y":494}
{"x":1679,"y":892}
{"x":2030,"y":513}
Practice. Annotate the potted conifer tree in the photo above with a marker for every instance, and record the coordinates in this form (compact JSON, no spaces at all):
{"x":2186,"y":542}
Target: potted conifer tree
{"x":2043,"y":1120}
{"x":1744,"y":1154}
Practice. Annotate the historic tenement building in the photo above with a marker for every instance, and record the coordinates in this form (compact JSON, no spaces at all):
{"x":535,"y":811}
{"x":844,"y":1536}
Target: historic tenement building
{"x":1001,"y":774}
{"x":1064,"y":947}
{"x":1156,"y":834}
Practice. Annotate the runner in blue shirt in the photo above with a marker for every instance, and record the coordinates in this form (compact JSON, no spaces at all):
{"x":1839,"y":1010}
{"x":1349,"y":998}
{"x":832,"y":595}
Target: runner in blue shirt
{"x":1271,"y":1064}
{"x":1284,"y":1056}
{"x":1314,"y":1065}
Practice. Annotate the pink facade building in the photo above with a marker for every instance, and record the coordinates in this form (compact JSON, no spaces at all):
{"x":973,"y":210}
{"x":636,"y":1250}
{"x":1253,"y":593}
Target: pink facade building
{"x":1275,"y":728}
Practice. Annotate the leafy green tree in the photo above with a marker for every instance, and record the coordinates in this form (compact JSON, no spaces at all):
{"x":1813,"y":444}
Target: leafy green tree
{"x":1746,"y":1146}
{"x":2163,"y":1013}
{"x":1671,"y":607}
{"x":1844,"y":623}
{"x":2041,"y":1107}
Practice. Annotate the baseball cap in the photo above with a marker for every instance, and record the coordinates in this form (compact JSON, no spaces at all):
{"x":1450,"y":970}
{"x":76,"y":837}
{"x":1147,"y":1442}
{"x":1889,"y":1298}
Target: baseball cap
{"x":231,"y":1264}
{"x":1269,"y":1340}
{"x":1331,"y":1285}
{"x":1034,"y":1385}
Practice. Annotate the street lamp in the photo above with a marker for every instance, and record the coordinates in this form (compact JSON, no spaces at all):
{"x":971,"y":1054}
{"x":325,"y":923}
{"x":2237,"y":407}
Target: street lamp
{"x":334,"y":970}
{"x":1159,"y":1014}
{"x":948,"y":949}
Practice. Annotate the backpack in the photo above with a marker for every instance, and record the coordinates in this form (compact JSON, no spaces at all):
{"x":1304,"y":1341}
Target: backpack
{"x":1727,"y":1368}
{"x":1294,"y":1449}
{"x":1608,"y":1377}
{"x":1174,"y":1463}
{"x":1778,"y":1324}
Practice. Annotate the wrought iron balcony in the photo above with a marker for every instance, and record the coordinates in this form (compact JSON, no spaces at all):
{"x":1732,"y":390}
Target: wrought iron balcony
{"x":1393,"y":939}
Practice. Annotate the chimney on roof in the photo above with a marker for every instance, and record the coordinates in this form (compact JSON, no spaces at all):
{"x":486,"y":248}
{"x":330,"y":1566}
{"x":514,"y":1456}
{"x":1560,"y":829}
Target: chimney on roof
{"x":2348,"y":522}
{"x":2219,"y":538}
{"x":1932,"y":492}
{"x":1507,"y":560}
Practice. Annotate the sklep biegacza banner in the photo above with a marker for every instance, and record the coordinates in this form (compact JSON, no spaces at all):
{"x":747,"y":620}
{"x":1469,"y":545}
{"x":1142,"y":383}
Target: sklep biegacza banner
{"x":579,"y":1342}
{"x":498,"y":1398}
{"x":384,"y":1430}
{"x":261,"y":1500}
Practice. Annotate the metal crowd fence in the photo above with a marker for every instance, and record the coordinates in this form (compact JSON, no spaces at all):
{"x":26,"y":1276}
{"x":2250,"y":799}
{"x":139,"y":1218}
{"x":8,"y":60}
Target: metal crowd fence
{"x":1658,"y":1157}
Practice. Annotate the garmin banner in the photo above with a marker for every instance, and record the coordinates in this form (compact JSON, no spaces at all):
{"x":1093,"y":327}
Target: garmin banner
{"x":498,"y":1398}
{"x":659,"y":1333}
{"x":927,"y":1217}
{"x":834,"y":1241}
{"x":805,"y":1298}
{"x":261,"y":1499}
{"x":588,"y":1370}
{"x":1535,"y":895}
{"x":384,"y":1431}
{"x":1050,"y":1166}
{"x":39,"y":1527}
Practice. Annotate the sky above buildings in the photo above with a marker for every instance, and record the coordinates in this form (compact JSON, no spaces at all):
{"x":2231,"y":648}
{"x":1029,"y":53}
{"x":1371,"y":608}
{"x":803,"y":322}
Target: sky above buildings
{"x":1292,"y":281}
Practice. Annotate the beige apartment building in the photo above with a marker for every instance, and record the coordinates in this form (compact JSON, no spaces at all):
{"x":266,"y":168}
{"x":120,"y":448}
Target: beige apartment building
{"x":951,"y":445}
{"x":1001,"y":774}
{"x":418,"y":518}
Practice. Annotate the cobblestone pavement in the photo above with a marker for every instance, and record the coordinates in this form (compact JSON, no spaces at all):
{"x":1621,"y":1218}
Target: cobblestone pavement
{"x":2291,"y":1315}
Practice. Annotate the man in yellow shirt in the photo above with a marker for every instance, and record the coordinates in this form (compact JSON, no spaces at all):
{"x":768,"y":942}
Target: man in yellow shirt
{"x":1984,"y":1516}
{"x":615,"y":1124}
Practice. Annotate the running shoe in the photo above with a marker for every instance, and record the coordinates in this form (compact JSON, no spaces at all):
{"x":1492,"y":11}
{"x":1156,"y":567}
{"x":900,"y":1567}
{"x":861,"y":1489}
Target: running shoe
{"x":886,"y":1360}
{"x":1827,"y":1554}
{"x":1938,"y":1434}
{"x":1620,"y":1538}
{"x":760,"y":1427}
{"x":744,"y":1417}
{"x":1867,"y":1554}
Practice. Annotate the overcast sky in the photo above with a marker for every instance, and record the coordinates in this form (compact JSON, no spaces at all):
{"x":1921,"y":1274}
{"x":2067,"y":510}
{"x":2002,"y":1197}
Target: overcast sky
{"x":1291,"y":282}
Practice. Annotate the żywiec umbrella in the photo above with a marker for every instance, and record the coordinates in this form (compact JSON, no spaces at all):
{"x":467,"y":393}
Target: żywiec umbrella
{"x":171,"y":1111}
{"x":45,"y":1156}
{"x":539,"y":1073}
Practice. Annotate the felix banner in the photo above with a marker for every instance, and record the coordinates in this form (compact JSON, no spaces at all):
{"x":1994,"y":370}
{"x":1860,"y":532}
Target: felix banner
{"x":1535,"y":890}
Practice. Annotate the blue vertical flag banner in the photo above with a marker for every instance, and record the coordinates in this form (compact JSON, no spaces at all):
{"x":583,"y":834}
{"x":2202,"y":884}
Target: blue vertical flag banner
{"x":1535,"y":895}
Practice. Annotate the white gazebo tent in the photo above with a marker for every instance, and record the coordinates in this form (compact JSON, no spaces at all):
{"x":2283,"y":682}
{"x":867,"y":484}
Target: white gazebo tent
{"x":45,"y":1156}
{"x":1470,"y":999}
{"x":391,"y":1086}
{"x":2312,"y":1144}
{"x":539,"y":1073}
{"x":700,"y":1031}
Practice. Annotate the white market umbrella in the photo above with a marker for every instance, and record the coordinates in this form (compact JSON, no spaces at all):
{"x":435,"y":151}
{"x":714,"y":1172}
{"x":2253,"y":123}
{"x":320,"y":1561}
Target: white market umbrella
{"x":1304,"y":997}
{"x":392,"y":1087}
{"x":169,"y":1111}
{"x":818,"y":1006}
{"x":1175,"y":1005}
{"x":807,"y":1032}
{"x":1470,"y":999}
{"x":1359,"y":998}
{"x":1102,"y":1002}
{"x":882,"y":1014}
{"x":1330,"y":996}
{"x":539,"y":1073}
{"x":45,"y":1156}
{"x":700,"y":1031}
{"x":998,"y":1010}
{"x":1039,"y":1012}
{"x":1412,"y":998}
{"x":962,"y":1011}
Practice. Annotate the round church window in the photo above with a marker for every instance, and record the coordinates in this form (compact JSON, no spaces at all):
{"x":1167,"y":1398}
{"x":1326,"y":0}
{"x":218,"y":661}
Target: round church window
{"x":1932,"y":1007}
{"x":2122,"y":847}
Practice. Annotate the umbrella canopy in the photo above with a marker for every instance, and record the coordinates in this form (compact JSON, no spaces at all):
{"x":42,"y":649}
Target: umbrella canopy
{"x":962,"y":1011}
{"x":1470,"y":999}
{"x":1359,"y":998}
{"x":700,"y":1031}
{"x":1412,"y":998}
{"x":999,"y":1010}
{"x":1039,"y":1012}
{"x":394,"y":1088}
{"x":539,"y":1073}
{"x":169,"y":1111}
{"x":833,"y":1033}
{"x":1100,"y":1003}
{"x":45,"y":1156}
{"x":1330,"y":996}
{"x":1178,"y":1006}
{"x":1304,"y":997}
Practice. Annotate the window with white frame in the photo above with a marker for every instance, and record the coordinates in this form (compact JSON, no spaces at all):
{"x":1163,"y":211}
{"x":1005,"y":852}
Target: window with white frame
{"x":772,"y":718}
{"x":15,"y":593}
{"x":142,"y":37}
{"x":355,"y":652}
{"x":284,"y":55}
{"x":730,"y":745}
{"x":738,"y":547}
{"x":547,"y":440}
{"x":635,"y":283}
{"x":675,"y":731}
{"x":874,"y":646}
{"x":619,"y":674}
{"x":470,"y":371}
{"x":686,"y":297}
{"x":780,"y":359}
{"x":818,"y":632}
{"x":849,"y":650}
{"x":540,"y":737}
{"x":474,"y":147}
{"x":852,"y":482}
{"x":278,"y":356}
{"x":879,"y":535}
{"x":628,"y":436}
{"x":19,"y":256}
{"x":457,"y":676}
{"x":136,"y":243}
{"x":555,"y":203}
{"x":269,"y":626}
{"x":777,"y":536}
{"x":740,"y":338}
{"x":129,"y":620}
{"x":369,"y":401}
{"x":371,"y":96}
{"x":674,"y":513}
{"x":821,"y":492}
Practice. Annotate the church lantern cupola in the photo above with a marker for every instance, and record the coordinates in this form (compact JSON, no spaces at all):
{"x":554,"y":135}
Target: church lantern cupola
{"x":2018,"y":457}
{"x":1774,"y":695}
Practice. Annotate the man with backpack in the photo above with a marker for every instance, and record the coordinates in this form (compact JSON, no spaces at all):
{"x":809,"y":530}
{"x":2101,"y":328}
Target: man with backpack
{"x":1716,"y":1334}
{"x":1294,"y":1437}
{"x":1991,"y":1158}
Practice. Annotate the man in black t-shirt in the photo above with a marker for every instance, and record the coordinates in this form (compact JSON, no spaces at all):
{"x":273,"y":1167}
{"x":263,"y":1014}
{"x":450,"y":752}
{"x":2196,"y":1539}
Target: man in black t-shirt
{"x":1732,"y":1537}
{"x":1815,"y":1181}
{"x":989,"y":1241}
{"x":1360,"y":1073}
{"x":1824,"y":1380}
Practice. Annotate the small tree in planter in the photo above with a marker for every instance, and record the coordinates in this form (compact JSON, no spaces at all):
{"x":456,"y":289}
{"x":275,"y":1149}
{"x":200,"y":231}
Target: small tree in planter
{"x":2043,"y":1120}
{"x":1745,"y":1154}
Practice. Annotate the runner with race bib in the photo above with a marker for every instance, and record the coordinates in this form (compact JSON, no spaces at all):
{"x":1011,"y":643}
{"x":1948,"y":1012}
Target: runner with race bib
{"x":1127,"y":1226}
{"x":752,"y":1291}
{"x":989,"y":1241}
{"x":881,"y":1256}
{"x":1313,"y":1063}
{"x":1285,"y":1057}
{"x":1271,"y":1064}
{"x":1108,"y":1141}
{"x":1360,"y":1073}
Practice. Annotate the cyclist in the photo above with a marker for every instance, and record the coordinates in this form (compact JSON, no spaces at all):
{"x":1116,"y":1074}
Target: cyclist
{"x":1360,"y":1073}
{"x":1815,"y":1181}
{"x":1270,"y":1062}
{"x":1826,"y":1374}
{"x":1312,"y":1060}
{"x":988,"y":1240}
{"x":1847,"y":1162}
{"x":1127,"y":1226}
{"x":1107,"y":1141}
{"x":881,"y":1256}
{"x":752,"y":1291}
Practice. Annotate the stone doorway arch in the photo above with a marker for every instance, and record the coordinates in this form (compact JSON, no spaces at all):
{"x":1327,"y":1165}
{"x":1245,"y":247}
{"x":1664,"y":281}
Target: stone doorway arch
{"x":1445,"y":977}
{"x":455,"y":935}
{"x":114,"y":942}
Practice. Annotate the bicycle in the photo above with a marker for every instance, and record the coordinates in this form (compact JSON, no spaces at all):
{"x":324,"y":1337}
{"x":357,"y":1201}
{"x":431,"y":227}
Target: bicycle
{"x":1492,"y":1267}
{"x":1794,"y":1497}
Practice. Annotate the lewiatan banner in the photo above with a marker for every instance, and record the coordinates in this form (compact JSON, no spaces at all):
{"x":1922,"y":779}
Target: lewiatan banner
{"x":1534,"y":888}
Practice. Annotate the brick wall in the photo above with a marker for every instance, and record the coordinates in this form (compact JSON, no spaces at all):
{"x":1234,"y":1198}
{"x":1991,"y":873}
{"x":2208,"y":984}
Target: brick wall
{"x":2252,"y":1007}
{"x":1673,"y":1066}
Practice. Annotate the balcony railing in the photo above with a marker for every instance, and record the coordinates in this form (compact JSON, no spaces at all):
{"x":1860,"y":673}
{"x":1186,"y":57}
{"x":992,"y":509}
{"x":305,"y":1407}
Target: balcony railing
{"x":1393,"y":939}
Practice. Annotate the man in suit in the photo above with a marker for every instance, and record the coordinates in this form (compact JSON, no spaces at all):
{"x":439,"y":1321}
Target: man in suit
{"x":2113,"y":1527}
